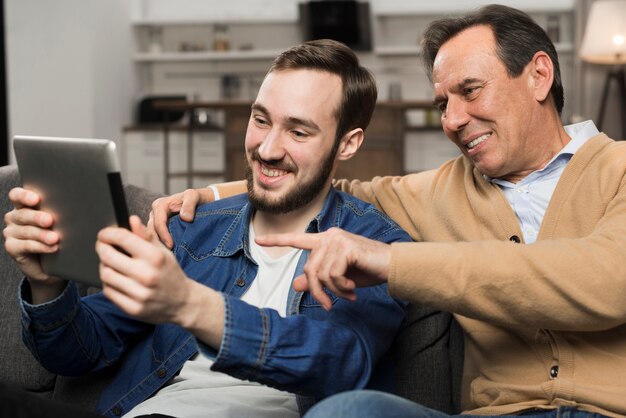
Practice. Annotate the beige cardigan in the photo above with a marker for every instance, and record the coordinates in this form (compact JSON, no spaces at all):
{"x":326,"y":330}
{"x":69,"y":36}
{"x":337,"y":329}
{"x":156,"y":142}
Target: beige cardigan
{"x":560,"y":301}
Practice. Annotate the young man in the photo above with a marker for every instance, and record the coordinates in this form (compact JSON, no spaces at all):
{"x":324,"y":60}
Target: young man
{"x":522,"y":237}
{"x":223,"y":305}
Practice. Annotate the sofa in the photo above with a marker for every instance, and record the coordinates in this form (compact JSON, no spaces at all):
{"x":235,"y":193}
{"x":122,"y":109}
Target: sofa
{"x":427,"y":352}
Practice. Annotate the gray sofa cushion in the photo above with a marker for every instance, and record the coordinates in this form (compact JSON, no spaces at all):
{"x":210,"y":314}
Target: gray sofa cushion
{"x":428,"y":356}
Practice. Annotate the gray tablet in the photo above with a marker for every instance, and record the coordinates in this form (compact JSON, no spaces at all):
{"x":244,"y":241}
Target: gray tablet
{"x":80,"y":184}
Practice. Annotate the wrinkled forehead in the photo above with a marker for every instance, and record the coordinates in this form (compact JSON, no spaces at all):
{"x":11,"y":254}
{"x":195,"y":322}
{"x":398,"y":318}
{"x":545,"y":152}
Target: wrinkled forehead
{"x":466,"y":55}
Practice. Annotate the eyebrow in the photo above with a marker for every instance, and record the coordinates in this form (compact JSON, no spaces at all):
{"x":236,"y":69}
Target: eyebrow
{"x":456,"y":88}
{"x":291,"y":120}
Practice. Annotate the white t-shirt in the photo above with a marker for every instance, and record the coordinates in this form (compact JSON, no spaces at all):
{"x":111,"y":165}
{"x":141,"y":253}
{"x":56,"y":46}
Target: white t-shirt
{"x":200,"y":392}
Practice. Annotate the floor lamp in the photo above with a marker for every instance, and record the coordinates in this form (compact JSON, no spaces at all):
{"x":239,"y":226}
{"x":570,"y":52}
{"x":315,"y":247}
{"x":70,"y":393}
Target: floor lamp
{"x":605,"y":43}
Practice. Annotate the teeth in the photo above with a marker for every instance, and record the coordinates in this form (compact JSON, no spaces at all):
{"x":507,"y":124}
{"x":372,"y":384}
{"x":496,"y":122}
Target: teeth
{"x":478,"y":140}
{"x":272,"y":173}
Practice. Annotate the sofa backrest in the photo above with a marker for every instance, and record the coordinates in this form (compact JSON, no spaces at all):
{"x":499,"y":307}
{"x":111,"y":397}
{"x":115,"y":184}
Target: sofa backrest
{"x":17,"y":366}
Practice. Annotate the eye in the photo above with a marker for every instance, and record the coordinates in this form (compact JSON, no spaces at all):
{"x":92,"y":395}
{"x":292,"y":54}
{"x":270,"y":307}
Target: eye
{"x":442,"y":106}
{"x":469,"y":91}
{"x":259,"y":120}
{"x":299,"y":134}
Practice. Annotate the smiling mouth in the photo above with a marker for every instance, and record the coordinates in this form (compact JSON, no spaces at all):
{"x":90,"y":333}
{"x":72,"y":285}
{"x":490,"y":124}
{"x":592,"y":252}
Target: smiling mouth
{"x":478,"y":140}
{"x":272,"y":172}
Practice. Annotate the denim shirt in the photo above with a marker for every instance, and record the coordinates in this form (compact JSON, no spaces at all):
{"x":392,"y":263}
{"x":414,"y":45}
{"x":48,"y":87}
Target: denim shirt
{"x":311,"y":352}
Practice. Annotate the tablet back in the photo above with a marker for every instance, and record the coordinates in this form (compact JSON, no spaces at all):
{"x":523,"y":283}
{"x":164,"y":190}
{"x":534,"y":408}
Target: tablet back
{"x":80,"y":184}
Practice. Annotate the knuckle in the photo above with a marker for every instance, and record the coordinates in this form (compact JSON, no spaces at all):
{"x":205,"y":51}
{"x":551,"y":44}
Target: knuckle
{"x":135,"y":310}
{"x":309,"y":270}
{"x":336,"y":231}
{"x":151,"y":278}
{"x":31,"y":247}
{"x":143,"y":297}
{"x":156,"y":204}
{"x":9,"y":245}
{"x":159,"y":259}
{"x":14,"y":194}
{"x":189,"y":194}
{"x":105,"y":272}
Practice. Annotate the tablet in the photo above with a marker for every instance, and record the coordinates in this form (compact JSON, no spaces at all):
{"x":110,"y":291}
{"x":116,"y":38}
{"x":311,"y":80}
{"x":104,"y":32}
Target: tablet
{"x":80,"y":185}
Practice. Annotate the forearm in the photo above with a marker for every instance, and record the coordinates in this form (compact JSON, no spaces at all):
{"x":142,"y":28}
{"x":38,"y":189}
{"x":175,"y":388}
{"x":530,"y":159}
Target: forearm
{"x":228,"y":189}
{"x":67,"y":336}
{"x":558,"y":284}
{"x":295,"y":353}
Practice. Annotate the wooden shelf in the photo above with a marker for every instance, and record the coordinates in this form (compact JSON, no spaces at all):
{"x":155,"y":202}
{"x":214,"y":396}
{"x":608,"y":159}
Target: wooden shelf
{"x":422,"y":128}
{"x":213,"y":21}
{"x":175,"y":127}
{"x":402,"y":8}
{"x":195,"y":173}
{"x":398,"y":50}
{"x":416,"y":50}
{"x":253,"y":54}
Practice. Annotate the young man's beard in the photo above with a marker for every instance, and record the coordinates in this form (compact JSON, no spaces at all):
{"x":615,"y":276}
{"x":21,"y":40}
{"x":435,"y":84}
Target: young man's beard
{"x":301,"y":195}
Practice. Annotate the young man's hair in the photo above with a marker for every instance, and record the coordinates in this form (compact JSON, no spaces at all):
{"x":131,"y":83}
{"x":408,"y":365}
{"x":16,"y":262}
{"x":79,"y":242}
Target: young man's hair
{"x":517,"y":39}
{"x":358,"y":84}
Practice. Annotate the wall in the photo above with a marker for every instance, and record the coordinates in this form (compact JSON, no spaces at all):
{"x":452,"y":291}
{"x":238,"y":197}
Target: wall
{"x":68,"y":67}
{"x":202,"y":9}
{"x":585,"y":81}
{"x":70,"y":70}
{"x":591,"y":84}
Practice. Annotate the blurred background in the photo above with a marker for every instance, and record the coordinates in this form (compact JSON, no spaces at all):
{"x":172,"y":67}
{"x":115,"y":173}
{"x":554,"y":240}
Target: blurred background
{"x":91,"y":68}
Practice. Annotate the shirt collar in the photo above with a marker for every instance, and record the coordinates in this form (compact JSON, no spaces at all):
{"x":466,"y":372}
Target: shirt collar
{"x":580,"y":133}
{"x":237,"y":236}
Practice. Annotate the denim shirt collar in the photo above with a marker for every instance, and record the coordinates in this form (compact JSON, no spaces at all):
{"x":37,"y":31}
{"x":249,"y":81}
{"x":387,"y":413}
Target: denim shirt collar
{"x":236,"y":237}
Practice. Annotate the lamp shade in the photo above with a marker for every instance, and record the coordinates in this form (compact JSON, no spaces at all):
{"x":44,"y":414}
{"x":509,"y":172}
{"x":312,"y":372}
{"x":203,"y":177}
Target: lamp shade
{"x":605,"y":36}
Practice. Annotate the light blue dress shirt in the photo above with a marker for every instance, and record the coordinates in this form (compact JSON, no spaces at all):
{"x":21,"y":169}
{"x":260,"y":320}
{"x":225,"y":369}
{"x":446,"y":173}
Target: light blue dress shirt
{"x":530,"y":197}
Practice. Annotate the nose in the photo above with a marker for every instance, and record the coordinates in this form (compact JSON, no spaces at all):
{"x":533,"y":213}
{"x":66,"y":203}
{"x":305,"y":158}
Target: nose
{"x":455,"y":117}
{"x":271,"y":147}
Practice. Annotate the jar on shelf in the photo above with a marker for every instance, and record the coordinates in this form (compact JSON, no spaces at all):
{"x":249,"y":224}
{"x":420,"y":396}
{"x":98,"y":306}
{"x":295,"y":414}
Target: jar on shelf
{"x":155,"y":40}
{"x":221,"y":38}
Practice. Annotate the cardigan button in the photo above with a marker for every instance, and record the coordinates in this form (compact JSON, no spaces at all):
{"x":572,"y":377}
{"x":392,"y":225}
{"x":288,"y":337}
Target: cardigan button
{"x":161,"y":373}
{"x":240,"y":282}
{"x":515,"y":239}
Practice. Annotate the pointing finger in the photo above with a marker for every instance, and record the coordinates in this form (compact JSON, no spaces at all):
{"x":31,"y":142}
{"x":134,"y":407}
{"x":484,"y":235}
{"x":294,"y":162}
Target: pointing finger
{"x":302,"y":241}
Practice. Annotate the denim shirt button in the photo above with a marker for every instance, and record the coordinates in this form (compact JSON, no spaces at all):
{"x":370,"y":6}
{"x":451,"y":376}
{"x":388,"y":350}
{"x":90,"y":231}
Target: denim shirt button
{"x":117,"y":411}
{"x":161,"y":373}
{"x":240,"y":282}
